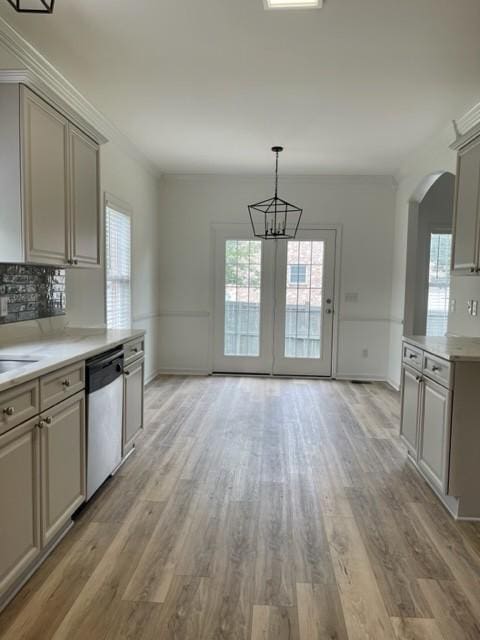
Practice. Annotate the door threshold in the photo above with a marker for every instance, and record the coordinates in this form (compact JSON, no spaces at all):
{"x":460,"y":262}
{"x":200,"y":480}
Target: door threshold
{"x":292,"y":376}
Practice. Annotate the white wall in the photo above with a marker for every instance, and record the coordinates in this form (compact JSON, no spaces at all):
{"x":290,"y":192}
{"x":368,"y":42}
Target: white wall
{"x":130,"y":181}
{"x":431,"y":158}
{"x":364,"y":206}
{"x":435,"y":214}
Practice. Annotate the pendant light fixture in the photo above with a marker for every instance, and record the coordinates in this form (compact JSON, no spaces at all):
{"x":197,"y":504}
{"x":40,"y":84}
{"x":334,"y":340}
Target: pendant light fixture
{"x":275,"y":219}
{"x":32,"y":6}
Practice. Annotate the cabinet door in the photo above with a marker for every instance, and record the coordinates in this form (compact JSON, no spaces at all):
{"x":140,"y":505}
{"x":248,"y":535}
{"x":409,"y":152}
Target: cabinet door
{"x":133,"y":410}
{"x":19,"y":502}
{"x":85,"y":199}
{"x":465,"y":242}
{"x":44,"y":135}
{"x":435,"y":434}
{"x":411,"y":399}
{"x":62,"y":436}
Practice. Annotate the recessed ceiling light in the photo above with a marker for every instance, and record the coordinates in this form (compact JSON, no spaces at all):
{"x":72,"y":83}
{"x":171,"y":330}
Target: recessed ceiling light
{"x":293,"y":4}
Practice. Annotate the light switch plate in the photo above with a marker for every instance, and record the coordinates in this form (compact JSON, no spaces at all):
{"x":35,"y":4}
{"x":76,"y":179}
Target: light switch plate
{"x":3,"y":306}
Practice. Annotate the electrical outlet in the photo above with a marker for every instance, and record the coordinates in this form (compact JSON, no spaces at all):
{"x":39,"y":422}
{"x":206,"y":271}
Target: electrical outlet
{"x":3,"y":306}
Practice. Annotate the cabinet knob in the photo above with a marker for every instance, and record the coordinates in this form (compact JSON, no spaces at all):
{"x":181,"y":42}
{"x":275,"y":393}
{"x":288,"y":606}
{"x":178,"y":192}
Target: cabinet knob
{"x":127,"y":373}
{"x":66,"y":383}
{"x":412,"y":356}
{"x":9,"y":411}
{"x":434,"y":368}
{"x":48,"y":419}
{"x":75,"y":262}
{"x":41,"y":424}
{"x":472,"y":269}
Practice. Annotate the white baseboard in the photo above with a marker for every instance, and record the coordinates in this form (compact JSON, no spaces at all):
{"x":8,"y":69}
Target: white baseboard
{"x":361,"y":378}
{"x":168,"y":371}
{"x":152,"y":376}
{"x":393,"y":384}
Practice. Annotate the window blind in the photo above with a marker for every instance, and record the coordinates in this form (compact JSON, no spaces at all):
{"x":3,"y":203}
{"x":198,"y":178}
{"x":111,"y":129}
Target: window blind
{"x":118,"y":269}
{"x":439,"y":283}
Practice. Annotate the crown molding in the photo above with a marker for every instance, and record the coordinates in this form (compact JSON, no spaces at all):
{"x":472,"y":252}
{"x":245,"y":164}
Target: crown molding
{"x":43,"y":78}
{"x":466,"y":128}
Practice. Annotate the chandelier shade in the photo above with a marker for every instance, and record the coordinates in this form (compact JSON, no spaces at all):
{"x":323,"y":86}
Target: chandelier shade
{"x":32,"y":6}
{"x":275,"y":218}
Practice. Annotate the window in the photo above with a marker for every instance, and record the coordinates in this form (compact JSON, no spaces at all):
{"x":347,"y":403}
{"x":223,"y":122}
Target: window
{"x":303,"y":311}
{"x":297,"y":273}
{"x":439,"y":283}
{"x":118,"y":268}
{"x":243,"y":265}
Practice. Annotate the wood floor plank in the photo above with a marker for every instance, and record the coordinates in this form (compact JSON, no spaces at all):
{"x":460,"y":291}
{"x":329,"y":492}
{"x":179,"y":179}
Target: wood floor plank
{"x":320,"y":612}
{"x":97,"y":604}
{"x":52,"y":600}
{"x":260,"y":508}
{"x":416,"y":629}
{"x":363,"y":607}
{"x":451,"y":609}
{"x":274,"y":623}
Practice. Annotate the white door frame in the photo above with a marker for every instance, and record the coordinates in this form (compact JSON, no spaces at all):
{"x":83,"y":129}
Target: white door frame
{"x":241,"y":227}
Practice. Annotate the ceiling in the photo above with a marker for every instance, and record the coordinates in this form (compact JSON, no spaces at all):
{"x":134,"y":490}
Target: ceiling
{"x":210,"y":85}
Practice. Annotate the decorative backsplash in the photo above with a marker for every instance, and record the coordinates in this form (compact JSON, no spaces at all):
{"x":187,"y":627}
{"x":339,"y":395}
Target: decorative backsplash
{"x":33,"y":292}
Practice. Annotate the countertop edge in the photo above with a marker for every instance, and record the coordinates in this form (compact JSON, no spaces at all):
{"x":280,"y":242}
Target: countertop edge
{"x":47,"y":365}
{"x":439,"y":352}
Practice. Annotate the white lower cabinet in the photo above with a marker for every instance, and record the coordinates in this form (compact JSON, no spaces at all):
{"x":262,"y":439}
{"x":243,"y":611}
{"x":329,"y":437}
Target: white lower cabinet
{"x":133,"y":409}
{"x":434,"y":448}
{"x":20,"y":540}
{"x":62,"y":438}
{"x":411,"y":402}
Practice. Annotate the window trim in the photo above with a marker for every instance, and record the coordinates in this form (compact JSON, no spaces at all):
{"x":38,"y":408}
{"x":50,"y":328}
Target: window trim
{"x":113,"y":202}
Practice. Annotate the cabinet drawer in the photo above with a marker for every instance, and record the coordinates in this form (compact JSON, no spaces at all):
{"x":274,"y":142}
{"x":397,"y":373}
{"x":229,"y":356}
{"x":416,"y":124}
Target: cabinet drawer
{"x":18,"y":404}
{"x":134,"y":350}
{"x":412,"y":356}
{"x":437,"y":369}
{"x":61,"y":384}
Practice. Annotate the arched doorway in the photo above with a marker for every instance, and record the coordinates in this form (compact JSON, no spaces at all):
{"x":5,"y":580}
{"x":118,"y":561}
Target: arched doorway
{"x":429,"y":237}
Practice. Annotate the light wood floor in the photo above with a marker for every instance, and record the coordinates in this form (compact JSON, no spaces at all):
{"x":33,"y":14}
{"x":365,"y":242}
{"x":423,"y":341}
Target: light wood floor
{"x":260,"y":509}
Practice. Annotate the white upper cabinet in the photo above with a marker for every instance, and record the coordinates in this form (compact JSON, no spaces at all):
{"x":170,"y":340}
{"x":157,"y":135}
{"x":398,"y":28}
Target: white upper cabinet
{"x":465,"y":257}
{"x":49,"y":178}
{"x":85,"y":202}
{"x":44,"y":134}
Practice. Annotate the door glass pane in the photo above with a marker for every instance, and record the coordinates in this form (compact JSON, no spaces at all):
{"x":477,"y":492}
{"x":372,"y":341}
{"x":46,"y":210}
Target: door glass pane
{"x":243,"y":265}
{"x":303,"y":321}
{"x":439,"y":283}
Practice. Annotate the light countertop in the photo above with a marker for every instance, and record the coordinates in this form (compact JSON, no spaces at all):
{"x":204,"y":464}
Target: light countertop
{"x":448,"y":347}
{"x":56,"y":350}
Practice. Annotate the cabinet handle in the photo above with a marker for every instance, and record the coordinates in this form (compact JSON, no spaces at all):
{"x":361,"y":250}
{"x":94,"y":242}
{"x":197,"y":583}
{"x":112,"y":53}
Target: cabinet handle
{"x":9,"y":411}
{"x":75,"y":262}
{"x":434,"y":368}
{"x":135,"y":349}
{"x":472,"y":269}
{"x":66,"y":383}
{"x":413,"y":356}
{"x":127,"y":373}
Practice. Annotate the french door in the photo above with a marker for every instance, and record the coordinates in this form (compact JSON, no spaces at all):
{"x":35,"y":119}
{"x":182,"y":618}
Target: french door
{"x":274,"y":303}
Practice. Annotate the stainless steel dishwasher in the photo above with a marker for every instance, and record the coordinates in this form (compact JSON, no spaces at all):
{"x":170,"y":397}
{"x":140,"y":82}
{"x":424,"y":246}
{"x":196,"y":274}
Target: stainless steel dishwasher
{"x":104,"y":417}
